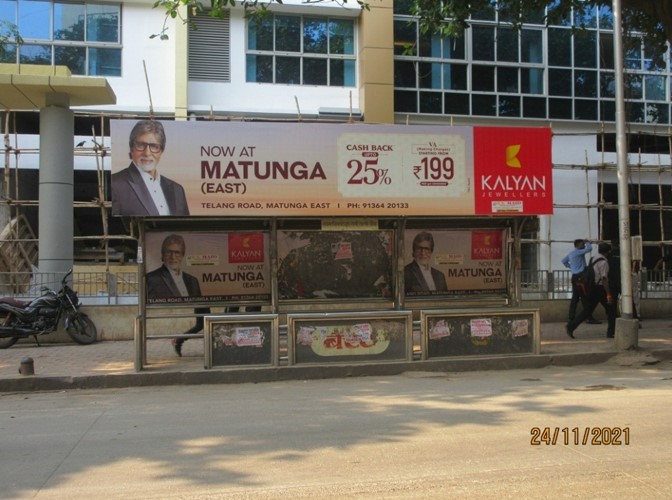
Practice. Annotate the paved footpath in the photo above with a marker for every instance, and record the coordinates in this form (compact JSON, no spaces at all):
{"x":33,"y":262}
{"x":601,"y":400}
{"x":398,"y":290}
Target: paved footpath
{"x":111,"y":363}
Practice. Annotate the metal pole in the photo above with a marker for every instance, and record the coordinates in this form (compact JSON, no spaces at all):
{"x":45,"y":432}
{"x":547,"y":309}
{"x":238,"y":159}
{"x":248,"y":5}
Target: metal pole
{"x":627,"y":327}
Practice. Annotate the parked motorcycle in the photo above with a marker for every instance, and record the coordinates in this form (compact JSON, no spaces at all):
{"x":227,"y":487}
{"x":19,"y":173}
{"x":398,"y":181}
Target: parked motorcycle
{"x":41,"y":316}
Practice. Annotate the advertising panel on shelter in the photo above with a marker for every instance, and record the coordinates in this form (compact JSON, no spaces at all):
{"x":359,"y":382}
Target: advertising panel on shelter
{"x":350,"y":337}
{"x":234,"y":340}
{"x":220,"y":169}
{"x":335,"y":264}
{"x":454,"y":262}
{"x":183,"y":267}
{"x":480,"y":332}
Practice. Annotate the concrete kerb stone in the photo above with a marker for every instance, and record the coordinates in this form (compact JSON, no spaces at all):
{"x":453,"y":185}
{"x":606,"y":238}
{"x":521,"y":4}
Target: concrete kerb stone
{"x":312,"y":372}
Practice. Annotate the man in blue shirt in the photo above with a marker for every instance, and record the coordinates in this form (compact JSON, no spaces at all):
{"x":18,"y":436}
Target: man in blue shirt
{"x":575,"y":261}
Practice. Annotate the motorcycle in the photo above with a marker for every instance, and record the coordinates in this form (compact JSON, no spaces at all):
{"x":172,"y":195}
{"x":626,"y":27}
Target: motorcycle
{"x":41,"y":316}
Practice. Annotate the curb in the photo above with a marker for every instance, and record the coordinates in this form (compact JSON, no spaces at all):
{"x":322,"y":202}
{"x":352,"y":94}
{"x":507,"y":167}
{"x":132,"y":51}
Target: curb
{"x":312,"y":372}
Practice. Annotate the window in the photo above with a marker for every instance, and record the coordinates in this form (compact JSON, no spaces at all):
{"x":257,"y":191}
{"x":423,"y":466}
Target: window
{"x":301,"y":50}
{"x":552,"y":72}
{"x":84,"y":37}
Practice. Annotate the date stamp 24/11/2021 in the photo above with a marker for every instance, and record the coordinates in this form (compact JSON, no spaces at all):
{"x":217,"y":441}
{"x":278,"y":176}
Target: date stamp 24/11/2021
{"x":584,"y":436}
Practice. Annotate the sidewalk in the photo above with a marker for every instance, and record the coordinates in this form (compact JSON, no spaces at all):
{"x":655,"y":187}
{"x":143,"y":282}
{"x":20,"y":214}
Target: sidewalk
{"x":110,"y":364}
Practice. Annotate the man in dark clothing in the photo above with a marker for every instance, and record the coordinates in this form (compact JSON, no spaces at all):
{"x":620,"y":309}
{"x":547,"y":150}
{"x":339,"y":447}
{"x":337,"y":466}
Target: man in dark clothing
{"x":600,"y":294}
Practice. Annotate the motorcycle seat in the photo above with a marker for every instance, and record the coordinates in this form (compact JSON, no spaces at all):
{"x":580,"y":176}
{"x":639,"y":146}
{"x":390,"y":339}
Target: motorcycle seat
{"x":14,"y":302}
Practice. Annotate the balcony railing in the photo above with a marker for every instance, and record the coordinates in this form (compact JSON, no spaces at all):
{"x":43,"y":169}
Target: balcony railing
{"x":101,"y":288}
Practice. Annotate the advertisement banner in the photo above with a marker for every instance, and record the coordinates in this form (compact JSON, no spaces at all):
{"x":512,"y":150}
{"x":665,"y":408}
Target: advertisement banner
{"x":296,"y":169}
{"x":480,"y":332}
{"x":513,"y":171}
{"x":331,"y":264}
{"x":454,"y":262}
{"x":349,"y":337}
{"x":197,"y":266}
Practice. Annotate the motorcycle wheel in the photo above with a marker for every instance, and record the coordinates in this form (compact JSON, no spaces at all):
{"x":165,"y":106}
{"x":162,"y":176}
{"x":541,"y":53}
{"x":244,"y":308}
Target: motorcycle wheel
{"x":82,"y":330}
{"x":6,"y":341}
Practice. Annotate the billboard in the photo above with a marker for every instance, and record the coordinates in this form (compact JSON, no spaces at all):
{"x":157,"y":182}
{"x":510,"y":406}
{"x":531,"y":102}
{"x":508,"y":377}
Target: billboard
{"x":183,"y":267}
{"x":298,"y":169}
{"x":454,"y":262}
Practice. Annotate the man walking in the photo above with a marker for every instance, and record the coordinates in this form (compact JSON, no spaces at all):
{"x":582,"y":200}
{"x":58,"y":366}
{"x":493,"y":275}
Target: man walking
{"x":576,"y":262}
{"x":598,"y":294}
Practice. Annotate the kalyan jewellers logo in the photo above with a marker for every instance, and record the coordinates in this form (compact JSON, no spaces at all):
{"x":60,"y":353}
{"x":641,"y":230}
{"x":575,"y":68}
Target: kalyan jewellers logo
{"x":513,"y":182}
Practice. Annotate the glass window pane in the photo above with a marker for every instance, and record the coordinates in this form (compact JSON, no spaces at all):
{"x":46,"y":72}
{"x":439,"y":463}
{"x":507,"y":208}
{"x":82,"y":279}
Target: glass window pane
{"x":654,"y":88}
{"x":508,"y":105}
{"x":654,"y":60}
{"x":260,"y":34}
{"x":430,"y":102}
{"x":585,"y":17}
{"x":585,"y":83}
{"x":585,"y":49}
{"x":102,"y":23}
{"x":287,"y":70}
{"x":342,"y":72}
{"x":403,"y":7}
{"x":605,"y":17}
{"x":259,"y":69}
{"x":429,"y":75}
{"x":634,"y":88}
{"x":69,"y":22}
{"x":34,"y":20}
{"x":405,"y":101}
{"x":485,"y":14}
{"x":559,"y":47}
{"x":608,"y":111}
{"x":606,"y":51}
{"x":632,"y":47}
{"x":404,"y":74}
{"x":657,"y":113}
{"x":455,"y":76}
{"x":507,"y":80}
{"x":430,"y":46}
{"x":507,"y":45}
{"x":483,"y":78}
{"x":560,"y":82}
{"x":484,"y":105}
{"x":532,"y":80}
{"x":453,"y":48}
{"x":315,"y":36}
{"x":456,"y":103}
{"x":341,"y":37}
{"x":405,"y":38}
{"x":35,"y":54}
{"x":532,"y":46}
{"x":483,"y":41}
{"x":72,"y":57}
{"x":534,"y":107}
{"x":557,"y":14}
{"x":287,"y":34}
{"x":8,"y":54}
{"x":104,"y":62}
{"x":8,"y":10}
{"x":314,"y":71}
{"x":560,"y":109}
{"x":635,"y":112}
{"x":585,"y":110}
{"x":607,"y":85}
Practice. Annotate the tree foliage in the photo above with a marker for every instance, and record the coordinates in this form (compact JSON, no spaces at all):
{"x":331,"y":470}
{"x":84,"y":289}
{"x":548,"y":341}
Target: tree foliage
{"x":652,"y":18}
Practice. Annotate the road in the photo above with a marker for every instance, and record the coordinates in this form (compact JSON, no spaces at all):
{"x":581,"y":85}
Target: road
{"x":412,"y":436}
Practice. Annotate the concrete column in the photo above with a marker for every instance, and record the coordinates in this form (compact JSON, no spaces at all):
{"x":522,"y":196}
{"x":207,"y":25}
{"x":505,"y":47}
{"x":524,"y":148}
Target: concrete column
{"x":56,"y":226}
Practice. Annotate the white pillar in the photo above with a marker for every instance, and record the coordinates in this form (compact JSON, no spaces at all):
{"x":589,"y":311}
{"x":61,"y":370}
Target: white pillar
{"x":56,"y":226}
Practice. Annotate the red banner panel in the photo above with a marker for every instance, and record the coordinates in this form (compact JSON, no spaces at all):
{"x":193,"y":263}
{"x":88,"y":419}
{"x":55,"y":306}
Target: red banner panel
{"x":513,"y":171}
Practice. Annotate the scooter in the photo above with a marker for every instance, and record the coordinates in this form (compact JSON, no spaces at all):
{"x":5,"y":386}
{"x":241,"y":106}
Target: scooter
{"x":41,"y":316}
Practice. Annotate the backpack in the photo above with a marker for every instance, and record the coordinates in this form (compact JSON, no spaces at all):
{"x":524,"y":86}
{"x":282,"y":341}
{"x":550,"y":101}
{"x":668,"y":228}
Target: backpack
{"x":586,"y":280}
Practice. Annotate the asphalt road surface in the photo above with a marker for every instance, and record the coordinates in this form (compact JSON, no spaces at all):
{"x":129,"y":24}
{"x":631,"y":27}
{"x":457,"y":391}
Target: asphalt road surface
{"x":412,"y":436}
